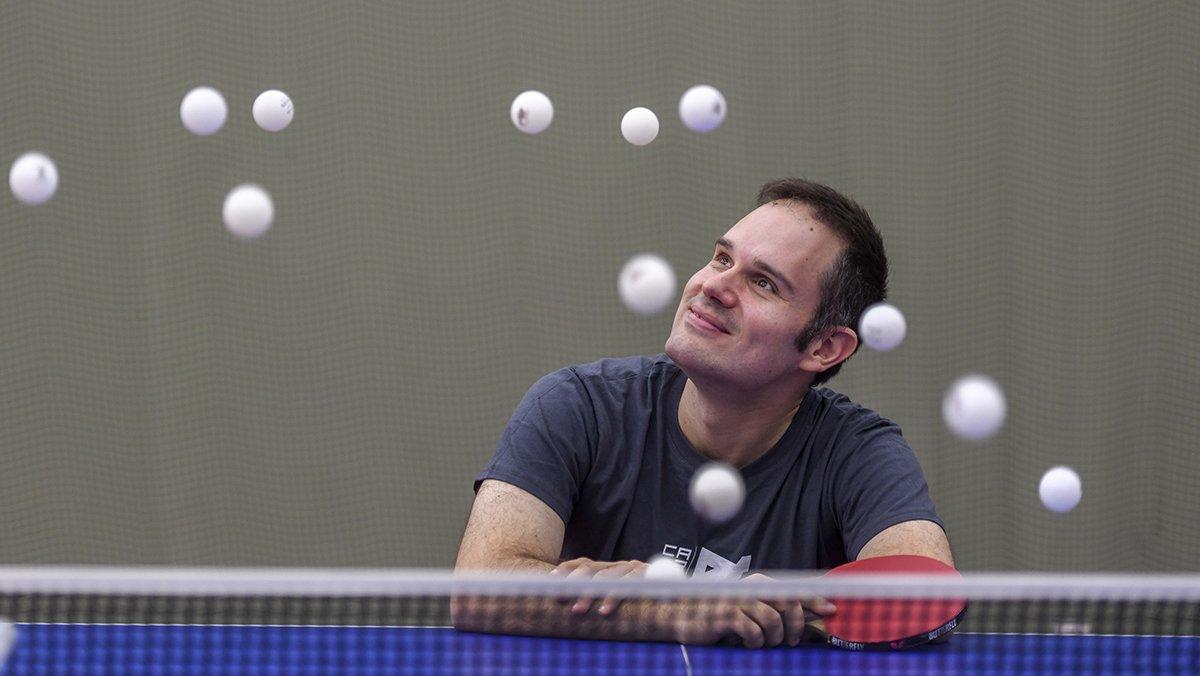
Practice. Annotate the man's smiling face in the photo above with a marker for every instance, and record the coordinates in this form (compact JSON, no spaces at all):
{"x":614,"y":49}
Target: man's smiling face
{"x":741,"y":313}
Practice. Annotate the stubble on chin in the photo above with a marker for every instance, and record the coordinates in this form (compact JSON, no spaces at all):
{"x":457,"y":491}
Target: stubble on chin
{"x":693,"y":359}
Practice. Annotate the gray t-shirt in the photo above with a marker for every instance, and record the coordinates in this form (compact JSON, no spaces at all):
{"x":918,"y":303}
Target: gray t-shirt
{"x":600,"y":444}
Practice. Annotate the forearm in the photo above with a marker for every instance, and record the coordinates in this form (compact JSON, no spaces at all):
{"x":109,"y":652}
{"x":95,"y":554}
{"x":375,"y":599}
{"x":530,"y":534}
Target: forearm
{"x":637,"y":620}
{"x":633,"y":620}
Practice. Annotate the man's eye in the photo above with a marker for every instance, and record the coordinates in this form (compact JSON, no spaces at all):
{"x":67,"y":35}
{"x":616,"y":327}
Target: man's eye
{"x":721,"y":258}
{"x":769,"y":286}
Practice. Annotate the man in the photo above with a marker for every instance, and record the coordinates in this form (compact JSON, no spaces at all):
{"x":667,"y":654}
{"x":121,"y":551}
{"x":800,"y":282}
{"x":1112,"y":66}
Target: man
{"x":590,"y":478}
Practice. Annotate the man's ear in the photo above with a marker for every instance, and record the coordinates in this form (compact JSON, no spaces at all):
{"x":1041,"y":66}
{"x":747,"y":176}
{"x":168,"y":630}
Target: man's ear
{"x":828,"y":350}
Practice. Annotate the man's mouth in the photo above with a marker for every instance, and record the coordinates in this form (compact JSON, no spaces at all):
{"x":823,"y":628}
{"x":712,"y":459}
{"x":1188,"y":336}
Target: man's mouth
{"x":705,"y":321}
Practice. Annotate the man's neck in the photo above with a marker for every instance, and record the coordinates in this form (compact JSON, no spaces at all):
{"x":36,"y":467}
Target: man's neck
{"x":734,"y":428}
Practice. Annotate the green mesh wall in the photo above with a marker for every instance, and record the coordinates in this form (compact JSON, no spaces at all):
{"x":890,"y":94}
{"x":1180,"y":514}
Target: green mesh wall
{"x":325,"y":395}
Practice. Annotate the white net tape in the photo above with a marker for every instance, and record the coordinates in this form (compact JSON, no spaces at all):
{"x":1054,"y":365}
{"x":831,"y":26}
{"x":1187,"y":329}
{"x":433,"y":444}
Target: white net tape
{"x":151,"y":581}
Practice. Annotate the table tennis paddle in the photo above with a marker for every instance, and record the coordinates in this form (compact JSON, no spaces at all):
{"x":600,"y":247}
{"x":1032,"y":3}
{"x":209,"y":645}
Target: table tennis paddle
{"x":889,"y":623}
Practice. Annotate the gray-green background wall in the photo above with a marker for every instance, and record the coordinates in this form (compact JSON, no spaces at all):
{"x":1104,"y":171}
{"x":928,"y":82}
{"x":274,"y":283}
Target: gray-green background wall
{"x":326,"y":394}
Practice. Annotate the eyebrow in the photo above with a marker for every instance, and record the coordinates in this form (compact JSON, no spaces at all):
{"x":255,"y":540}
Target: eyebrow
{"x":761,"y":265}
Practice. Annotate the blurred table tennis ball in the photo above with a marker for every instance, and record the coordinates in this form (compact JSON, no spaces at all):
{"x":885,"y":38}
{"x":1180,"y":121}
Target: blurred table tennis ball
{"x":662,"y":567}
{"x":1060,"y":489}
{"x":974,"y":407}
{"x":203,"y":111}
{"x":717,"y":492}
{"x":33,"y":178}
{"x":702,"y":108}
{"x":882,"y":327}
{"x":646,"y":284}
{"x":531,"y":112}
{"x":273,"y":110}
{"x":639,"y":126}
{"x":248,"y":211}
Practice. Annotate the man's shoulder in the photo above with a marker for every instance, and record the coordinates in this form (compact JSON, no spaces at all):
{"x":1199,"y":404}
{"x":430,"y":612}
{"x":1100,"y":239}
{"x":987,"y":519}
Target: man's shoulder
{"x":839,"y":411}
{"x":618,"y":369}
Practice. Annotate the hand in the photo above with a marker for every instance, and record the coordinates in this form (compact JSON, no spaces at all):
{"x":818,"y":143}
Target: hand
{"x":755,"y":624}
{"x":793,"y":611}
{"x":583,"y":568}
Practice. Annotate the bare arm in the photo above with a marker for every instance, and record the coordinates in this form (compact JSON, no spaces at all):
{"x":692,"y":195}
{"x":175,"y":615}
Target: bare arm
{"x":511,"y":530}
{"x":922,"y":538}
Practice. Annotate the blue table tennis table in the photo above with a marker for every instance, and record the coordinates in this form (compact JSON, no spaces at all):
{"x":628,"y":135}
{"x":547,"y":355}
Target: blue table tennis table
{"x":272,"y":649}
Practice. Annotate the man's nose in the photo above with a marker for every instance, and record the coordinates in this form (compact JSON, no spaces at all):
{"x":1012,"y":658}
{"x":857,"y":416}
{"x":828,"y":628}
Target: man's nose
{"x":719,"y":287}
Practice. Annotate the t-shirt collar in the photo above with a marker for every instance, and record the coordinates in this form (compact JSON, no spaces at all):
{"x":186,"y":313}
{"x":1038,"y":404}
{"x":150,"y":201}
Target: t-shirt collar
{"x":780,"y":454}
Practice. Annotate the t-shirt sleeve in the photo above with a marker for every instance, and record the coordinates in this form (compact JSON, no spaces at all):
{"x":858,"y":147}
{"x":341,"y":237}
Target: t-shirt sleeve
{"x":879,"y":484}
{"x":547,"y":447}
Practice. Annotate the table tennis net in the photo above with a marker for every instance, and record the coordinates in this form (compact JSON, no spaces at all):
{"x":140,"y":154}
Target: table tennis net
{"x":119,"y":620}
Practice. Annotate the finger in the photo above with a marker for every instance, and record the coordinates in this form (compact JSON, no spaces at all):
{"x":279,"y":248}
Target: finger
{"x":612,"y":602}
{"x":814,"y":604}
{"x":584,"y":571}
{"x":618,"y":569}
{"x":768,"y":619}
{"x":569,"y":569}
{"x":780,"y":605}
{"x":794,"y":625}
{"x":819,"y":605}
{"x":564,"y":569}
{"x":610,"y":572}
{"x":793,"y":614}
{"x":567,"y":566}
{"x":748,"y":630}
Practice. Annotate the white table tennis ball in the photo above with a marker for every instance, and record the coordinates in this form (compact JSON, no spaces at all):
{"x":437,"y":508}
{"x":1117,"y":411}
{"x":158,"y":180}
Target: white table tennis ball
{"x":974,"y":407}
{"x":702,"y":108}
{"x":203,"y":111}
{"x":248,"y":211}
{"x":33,"y":178}
{"x":273,"y":110}
{"x":646,"y":284}
{"x":639,"y":126}
{"x":662,"y":567}
{"x":882,"y":327}
{"x":717,"y":492}
{"x":1060,"y":489}
{"x":531,"y":112}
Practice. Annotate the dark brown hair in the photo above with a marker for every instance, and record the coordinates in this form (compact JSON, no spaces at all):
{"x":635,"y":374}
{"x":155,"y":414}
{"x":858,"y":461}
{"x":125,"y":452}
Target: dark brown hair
{"x":856,"y":279}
